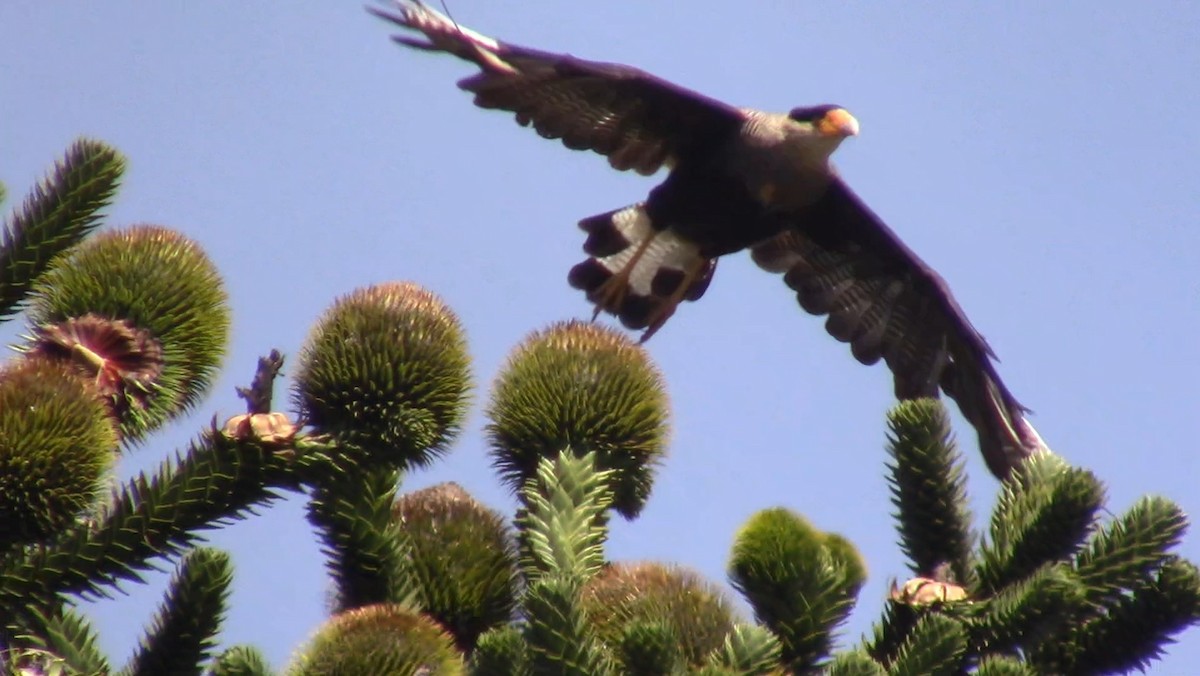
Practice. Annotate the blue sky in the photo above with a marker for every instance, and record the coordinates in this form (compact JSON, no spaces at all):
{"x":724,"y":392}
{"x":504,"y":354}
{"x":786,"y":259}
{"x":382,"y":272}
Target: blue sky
{"x":1040,"y":156}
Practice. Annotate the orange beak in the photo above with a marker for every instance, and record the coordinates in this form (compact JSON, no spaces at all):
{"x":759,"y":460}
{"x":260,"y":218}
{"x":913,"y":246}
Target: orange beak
{"x":838,"y":122}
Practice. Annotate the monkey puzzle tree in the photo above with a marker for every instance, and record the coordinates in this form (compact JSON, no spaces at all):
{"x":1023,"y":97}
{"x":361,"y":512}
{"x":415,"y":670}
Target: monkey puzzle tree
{"x":126,"y":331}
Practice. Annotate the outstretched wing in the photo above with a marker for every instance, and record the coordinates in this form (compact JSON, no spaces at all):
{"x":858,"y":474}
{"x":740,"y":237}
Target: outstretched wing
{"x":883,"y":300}
{"x":637,"y":120}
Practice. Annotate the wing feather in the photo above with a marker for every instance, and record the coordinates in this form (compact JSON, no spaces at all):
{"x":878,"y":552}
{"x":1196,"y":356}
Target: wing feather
{"x":641,"y":122}
{"x":843,"y":262}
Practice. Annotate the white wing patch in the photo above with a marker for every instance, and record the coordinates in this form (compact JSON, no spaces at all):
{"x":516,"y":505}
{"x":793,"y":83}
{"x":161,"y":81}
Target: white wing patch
{"x":667,"y":250}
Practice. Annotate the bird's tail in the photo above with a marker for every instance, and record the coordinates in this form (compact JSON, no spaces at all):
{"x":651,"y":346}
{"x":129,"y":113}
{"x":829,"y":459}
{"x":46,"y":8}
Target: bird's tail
{"x":636,"y":271}
{"x":1006,"y":438}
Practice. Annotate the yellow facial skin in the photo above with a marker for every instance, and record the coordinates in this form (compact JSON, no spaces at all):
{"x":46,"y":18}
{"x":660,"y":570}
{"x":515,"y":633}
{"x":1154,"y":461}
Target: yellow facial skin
{"x":838,"y":122}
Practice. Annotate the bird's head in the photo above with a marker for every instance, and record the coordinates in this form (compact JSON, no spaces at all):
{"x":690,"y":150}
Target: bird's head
{"x":829,"y":121}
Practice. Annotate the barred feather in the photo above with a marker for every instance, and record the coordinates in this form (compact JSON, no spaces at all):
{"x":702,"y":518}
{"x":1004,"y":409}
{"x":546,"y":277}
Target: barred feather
{"x":613,"y":239}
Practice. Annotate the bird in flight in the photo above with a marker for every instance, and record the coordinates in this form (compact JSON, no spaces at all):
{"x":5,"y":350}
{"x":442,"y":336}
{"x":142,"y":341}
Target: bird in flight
{"x":738,"y":179}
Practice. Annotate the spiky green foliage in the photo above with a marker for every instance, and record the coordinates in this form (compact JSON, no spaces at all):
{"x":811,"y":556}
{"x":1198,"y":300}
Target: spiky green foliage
{"x":386,"y":368}
{"x":579,"y":425}
{"x":748,"y":649}
{"x":69,"y":638}
{"x":855,"y":663}
{"x":1126,"y":550}
{"x":1130,"y":630}
{"x":648,"y":648}
{"x":929,"y":491}
{"x":365,"y":553}
{"x":935,"y":647}
{"x":1045,"y":513}
{"x":380,"y":639}
{"x":1004,"y":666}
{"x":57,"y":445}
{"x":145,"y":312}
{"x":1022,"y":615}
{"x":240,"y":660}
{"x":500,"y":652}
{"x":584,"y":387}
{"x":714,"y":670}
{"x":561,"y":524}
{"x":1135,"y":628}
{"x":558,"y":637}
{"x":797,"y":585}
{"x":562,"y":548}
{"x":183,"y":633}
{"x":711,"y":670}
{"x":463,"y":557}
{"x":1048,"y":585}
{"x":21,"y":662}
{"x":846,"y":556}
{"x":218,"y":479}
{"x":889,"y":633}
{"x":58,"y":213}
{"x":675,"y":599}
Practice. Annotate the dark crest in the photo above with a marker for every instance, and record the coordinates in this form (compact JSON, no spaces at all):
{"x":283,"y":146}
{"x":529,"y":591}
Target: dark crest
{"x":811,"y":113}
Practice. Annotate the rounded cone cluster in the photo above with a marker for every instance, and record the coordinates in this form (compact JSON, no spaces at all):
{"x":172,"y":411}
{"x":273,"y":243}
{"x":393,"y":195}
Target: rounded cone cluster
{"x":777,"y":545}
{"x":843,"y":551}
{"x":465,"y":556}
{"x":386,"y":369}
{"x":144,"y":312}
{"x":625,"y":594}
{"x":588,"y":388}
{"x":57,"y":445}
{"x":379,"y":639}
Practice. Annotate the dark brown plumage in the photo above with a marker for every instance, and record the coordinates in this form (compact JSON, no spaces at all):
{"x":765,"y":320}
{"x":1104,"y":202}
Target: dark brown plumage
{"x":739,"y":179}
